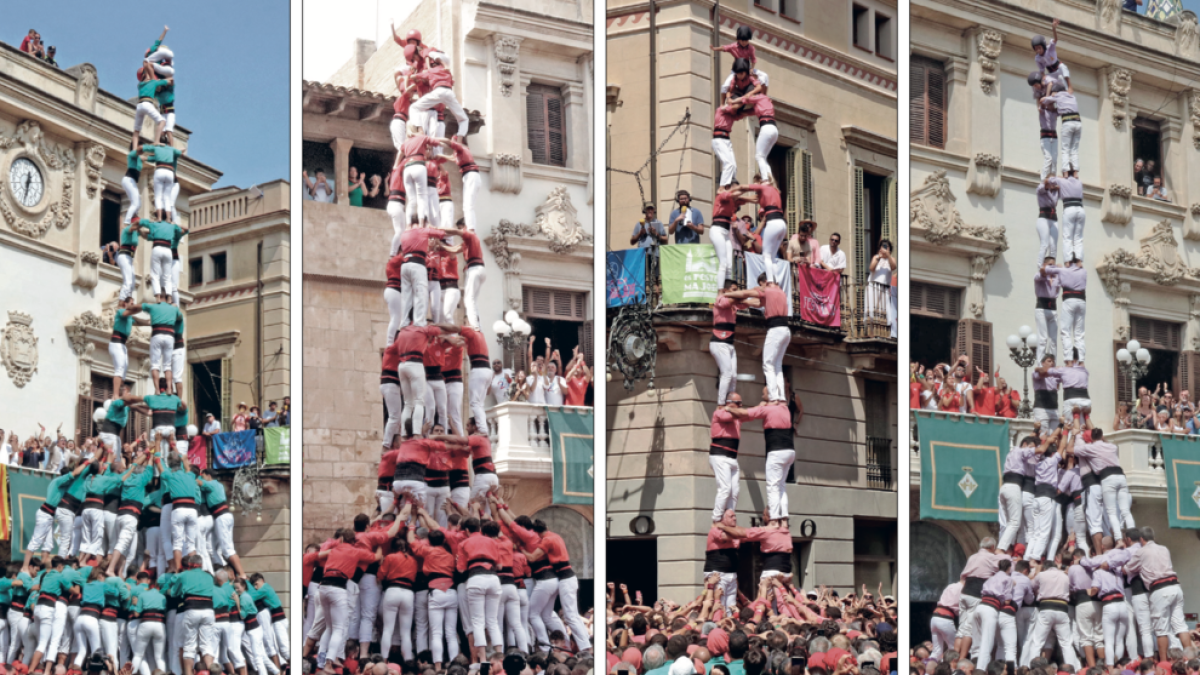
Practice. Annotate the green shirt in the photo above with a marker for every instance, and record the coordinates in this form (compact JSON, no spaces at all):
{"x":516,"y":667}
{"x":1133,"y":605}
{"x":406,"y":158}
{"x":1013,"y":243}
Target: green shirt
{"x":149,"y":88}
{"x":163,"y":231}
{"x":356,"y":196}
{"x":108,"y":483}
{"x":179,"y":327}
{"x":134,"y":488}
{"x":118,"y":413}
{"x":96,"y":593}
{"x":153,"y":498}
{"x":194,"y":583}
{"x":6,"y":588}
{"x":129,"y":235}
{"x":213,"y":493}
{"x":246,"y":606}
{"x":134,"y":159}
{"x":161,"y":313}
{"x":19,"y":593}
{"x":151,"y":600}
{"x":166,"y":95}
{"x":265,"y":596}
{"x":55,"y":583}
{"x":223,"y":597}
{"x":164,"y":154}
{"x":161,"y":402}
{"x":118,"y":592}
{"x":166,"y":582}
{"x":78,"y":489}
{"x":179,"y":235}
{"x":180,"y":483}
{"x":58,"y":488}
{"x":181,"y":417}
{"x":122,"y":325}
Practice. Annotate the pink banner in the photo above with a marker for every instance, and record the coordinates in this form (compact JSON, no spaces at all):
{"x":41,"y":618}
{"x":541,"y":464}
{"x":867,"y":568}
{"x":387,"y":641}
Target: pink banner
{"x":819,"y":293}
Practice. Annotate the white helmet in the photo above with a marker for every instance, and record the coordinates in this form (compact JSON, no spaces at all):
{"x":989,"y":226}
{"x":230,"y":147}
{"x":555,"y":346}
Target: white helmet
{"x":192,"y":430}
{"x":99,"y":414}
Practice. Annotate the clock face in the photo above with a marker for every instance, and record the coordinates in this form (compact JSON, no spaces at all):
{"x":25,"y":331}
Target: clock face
{"x":25,"y":182}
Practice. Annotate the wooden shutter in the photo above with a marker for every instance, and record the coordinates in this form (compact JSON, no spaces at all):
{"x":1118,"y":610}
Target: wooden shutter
{"x":927,"y":102}
{"x":1156,"y":334}
{"x":806,"y":183}
{"x":1189,"y":374}
{"x":862,"y":255}
{"x":940,"y":302}
{"x":975,"y":340}
{"x":791,"y":207}
{"x":585,"y":341}
{"x":83,"y":419}
{"x":889,"y":210}
{"x":545,"y":119}
{"x":545,"y":303}
{"x":226,"y":394}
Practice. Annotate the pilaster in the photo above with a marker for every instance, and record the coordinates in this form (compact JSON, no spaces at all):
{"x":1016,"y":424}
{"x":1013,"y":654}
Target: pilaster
{"x":983,"y":93}
{"x":506,"y":133}
{"x":1116,"y":143}
{"x":341,"y":168}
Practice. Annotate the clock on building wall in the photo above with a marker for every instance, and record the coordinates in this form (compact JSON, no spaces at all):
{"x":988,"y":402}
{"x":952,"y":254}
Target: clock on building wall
{"x":25,"y":182}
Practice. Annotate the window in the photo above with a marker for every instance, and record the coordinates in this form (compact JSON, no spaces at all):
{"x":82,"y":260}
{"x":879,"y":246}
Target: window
{"x":627,"y":558}
{"x":879,"y":435}
{"x":933,"y":314}
{"x":208,"y":392}
{"x":883,"y":36}
{"x":861,"y":27}
{"x":195,"y":272}
{"x":374,"y":163}
{"x":545,"y":118}
{"x":927,"y":102}
{"x":110,"y":218}
{"x":790,"y":9}
{"x":101,"y":391}
{"x":798,"y":182}
{"x":1169,"y":365}
{"x":875,"y":555}
{"x":219,"y":271}
{"x":1147,"y":147}
{"x":974,"y":339}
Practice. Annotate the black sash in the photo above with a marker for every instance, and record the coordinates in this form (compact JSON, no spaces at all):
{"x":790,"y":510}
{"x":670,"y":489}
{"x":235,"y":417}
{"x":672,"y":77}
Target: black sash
{"x":780,"y":561}
{"x":722,"y":560}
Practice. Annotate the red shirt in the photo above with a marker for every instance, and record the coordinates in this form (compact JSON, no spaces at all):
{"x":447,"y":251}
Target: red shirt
{"x":774,"y":300}
{"x":770,"y":539}
{"x":725,"y":312}
{"x":414,"y":243}
{"x":412,"y":340}
{"x":396,"y":183}
{"x":452,"y":362}
{"x":415,"y":55}
{"x":414,"y":148}
{"x":717,"y":539}
{"x":401,"y":106}
{"x":724,"y":206}
{"x":472,"y":249}
{"x":393,"y":271}
{"x":370,"y":540}
{"x":577,"y":390}
{"x":725,"y":425}
{"x":768,"y":197}
{"x":438,"y":76}
{"x":764,"y":109}
{"x":723,"y":122}
{"x":417,"y":450}
{"x":432,"y":263}
{"x":955,"y":404}
{"x":387,"y":466}
{"x":1006,"y":406}
{"x":437,"y":563}
{"x":344,"y":559}
{"x":477,"y":349}
{"x":434,"y":355}
{"x":481,"y":453}
{"x":478,"y":551}
{"x":914,"y":394}
{"x":740,"y":52}
{"x":398,"y":569}
{"x":556,"y":553}
{"x":443,"y":186}
{"x":462,"y":155}
{"x":309,"y":564}
{"x":448,"y":265}
{"x":198,"y":451}
{"x":773,"y":416}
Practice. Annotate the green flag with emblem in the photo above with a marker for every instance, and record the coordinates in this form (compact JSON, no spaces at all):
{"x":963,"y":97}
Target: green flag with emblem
{"x":278,"y":441}
{"x":571,"y":451}
{"x":1181,"y":461}
{"x":689,"y":273}
{"x":962,"y":459}
{"x":26,"y":493}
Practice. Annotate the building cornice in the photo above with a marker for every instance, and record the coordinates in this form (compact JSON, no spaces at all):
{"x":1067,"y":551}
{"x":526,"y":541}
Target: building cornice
{"x":567,"y":37}
{"x":869,"y":140}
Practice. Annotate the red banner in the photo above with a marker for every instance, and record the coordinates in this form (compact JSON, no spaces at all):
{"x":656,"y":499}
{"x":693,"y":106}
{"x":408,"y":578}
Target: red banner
{"x":819,"y":292}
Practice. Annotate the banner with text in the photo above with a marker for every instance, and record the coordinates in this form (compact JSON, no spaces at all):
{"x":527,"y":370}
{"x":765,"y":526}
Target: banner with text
{"x":571,"y":450}
{"x":626,"y":277}
{"x":962,"y":461}
{"x":689,"y":273}
{"x":1181,"y":461}
{"x":819,"y":292}
{"x":233,"y":449}
{"x":279,"y":445}
{"x":26,"y":493}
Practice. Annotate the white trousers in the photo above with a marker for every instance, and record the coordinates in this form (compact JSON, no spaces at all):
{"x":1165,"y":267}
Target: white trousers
{"x":1042,"y":526}
{"x":414,"y":296}
{"x":1117,"y":503}
{"x":477,"y":389}
{"x":471,"y":183}
{"x":1166,"y":611}
{"x":1069,"y":134}
{"x":65,"y":519}
{"x":723,"y":149}
{"x":568,"y":597}
{"x":185,"y":529}
{"x":483,"y":596}
{"x":127,"y":526}
{"x":110,"y":636}
{"x":135,"y":198}
{"x":1088,"y":629}
{"x":450,"y":297}
{"x":1115,"y":618}
{"x":223,"y":536}
{"x":230,"y":634}
{"x":172,"y":200}
{"x":178,"y":363}
{"x":444,"y":96}
{"x":942,"y":630}
{"x":151,"y":637}
{"x":445,"y":212}
{"x":1139,"y":607}
{"x":727,"y":473}
{"x":163,"y":183}
{"x":1093,"y":508}
{"x":767,"y":135}
{"x":435,"y":499}
{"x":398,"y":129}
{"x":125,"y":263}
{"x":773,"y":235}
{"x":435,"y":402}
{"x":1077,"y":520}
{"x":1006,"y":637}
{"x":335,"y":603}
{"x":160,"y":270}
{"x":87,"y":637}
{"x":396,"y":211}
{"x":474,"y":283}
{"x":43,"y":533}
{"x":93,"y":532}
{"x":146,"y":109}
{"x":1010,"y":510}
{"x":368,"y":607}
{"x":412,"y":388}
{"x":204,"y":528}
{"x":52,"y":621}
{"x":541,"y":609}
{"x":1049,"y":158}
{"x":778,"y":463}
{"x":1048,"y":240}
{"x":720,"y":241}
{"x":1073,"y":220}
{"x":420,"y":620}
{"x":1058,"y":623}
{"x":966,"y":616}
{"x":119,"y":355}
{"x":1047,"y":328}
{"x":725,"y":355}
{"x":454,"y":406}
{"x":774,"y":348}
{"x":443,"y":624}
{"x":1047,"y":416}
{"x":510,"y":612}
{"x":394,"y":402}
{"x":1071,"y":316}
{"x":435,"y":300}
{"x":252,"y":642}
{"x":397,"y":614}
{"x":416,"y":182}
{"x":984,"y":627}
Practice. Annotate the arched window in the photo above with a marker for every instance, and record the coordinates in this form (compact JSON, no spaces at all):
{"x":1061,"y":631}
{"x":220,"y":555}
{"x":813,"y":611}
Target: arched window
{"x":941,"y":562}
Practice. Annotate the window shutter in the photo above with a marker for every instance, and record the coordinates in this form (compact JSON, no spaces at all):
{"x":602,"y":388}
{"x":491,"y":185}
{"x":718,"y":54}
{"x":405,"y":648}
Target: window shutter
{"x":226,"y":394}
{"x":861,"y":254}
{"x":83,"y":419}
{"x":940,"y":302}
{"x":927,"y":102}
{"x":1156,"y":334}
{"x":1124,"y":386}
{"x":975,"y":340}
{"x":535,"y":121}
{"x":555,"y":131}
{"x":889,"y":209}
{"x":937,"y":107}
{"x":1189,"y":374}
{"x":585,"y":341}
{"x":807,"y":185}
{"x":917,"y":119}
{"x":545,"y":121}
{"x":791,"y":208}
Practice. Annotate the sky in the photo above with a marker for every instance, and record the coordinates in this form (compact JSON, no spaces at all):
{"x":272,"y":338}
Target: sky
{"x":330,"y":29}
{"x":232,"y":69}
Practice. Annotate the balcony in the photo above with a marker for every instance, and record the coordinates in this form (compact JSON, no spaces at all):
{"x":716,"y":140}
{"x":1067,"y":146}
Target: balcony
{"x":1140,"y":451}
{"x":520,"y":437}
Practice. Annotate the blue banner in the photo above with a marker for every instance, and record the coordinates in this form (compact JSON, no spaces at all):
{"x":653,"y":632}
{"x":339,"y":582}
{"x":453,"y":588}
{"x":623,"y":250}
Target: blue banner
{"x":234,"y":449}
{"x":626,"y":277}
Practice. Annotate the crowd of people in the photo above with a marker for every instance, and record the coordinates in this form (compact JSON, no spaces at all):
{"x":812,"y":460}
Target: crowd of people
{"x":1148,"y":181}
{"x":32,"y":44}
{"x":781,"y":631}
{"x":445,"y":576}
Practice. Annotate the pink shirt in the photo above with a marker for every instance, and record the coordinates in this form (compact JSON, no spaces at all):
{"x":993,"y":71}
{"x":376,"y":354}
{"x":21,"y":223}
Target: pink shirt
{"x":771,"y":539}
{"x":983,"y":565}
{"x":1051,"y":584}
{"x":1099,"y":455}
{"x":1151,"y":561}
{"x":740,"y":52}
{"x":951,"y":596}
{"x":773,"y":416}
{"x":717,"y":539}
{"x":774,"y":301}
{"x":725,"y":425}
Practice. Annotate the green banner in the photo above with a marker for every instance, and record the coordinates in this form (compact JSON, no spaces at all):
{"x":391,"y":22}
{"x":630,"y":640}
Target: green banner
{"x":689,"y":273}
{"x":26,"y":493}
{"x":571,"y":450}
{"x":279,"y":445}
{"x":1181,"y":458}
{"x":962,"y":459}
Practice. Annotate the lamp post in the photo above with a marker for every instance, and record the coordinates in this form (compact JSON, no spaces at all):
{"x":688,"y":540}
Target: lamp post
{"x":511,"y":332}
{"x":1023,"y":350}
{"x":1134,"y":362}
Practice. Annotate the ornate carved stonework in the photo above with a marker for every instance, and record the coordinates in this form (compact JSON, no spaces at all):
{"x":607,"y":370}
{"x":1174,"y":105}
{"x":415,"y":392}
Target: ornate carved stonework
{"x":1187,"y":34}
{"x":1118,"y":207}
{"x":932,"y":208}
{"x":79,"y":326}
{"x":86,"y":273}
{"x":86,"y":87}
{"x":1159,"y":254}
{"x":1191,"y":226}
{"x":1194,"y":112}
{"x":1119,"y":82}
{"x":557,"y":220}
{"x":94,"y":155}
{"x":983,"y":177}
{"x":30,"y":140}
{"x":1193,"y":325}
{"x":555,"y":224}
{"x":990,"y":44}
{"x":18,"y":348}
{"x":506,"y":173}
{"x":508,"y":51}
{"x":1109,"y":13}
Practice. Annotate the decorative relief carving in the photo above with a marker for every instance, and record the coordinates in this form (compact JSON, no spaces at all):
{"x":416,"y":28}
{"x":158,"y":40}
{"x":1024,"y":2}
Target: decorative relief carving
{"x":78,"y":328}
{"x":1158,"y":254}
{"x":506,"y":173}
{"x":932,"y":209}
{"x":989,"y":160}
{"x":508,"y":51}
{"x":1194,"y":111}
{"x":1118,"y":206}
{"x":29,"y":139}
{"x":1109,"y":10}
{"x":18,"y":348}
{"x":990,"y":44}
{"x":983,"y":176}
{"x":86,"y":87}
{"x":1187,"y":34}
{"x":86,"y":273}
{"x":556,"y":218}
{"x":1119,"y":82}
{"x":94,"y":156}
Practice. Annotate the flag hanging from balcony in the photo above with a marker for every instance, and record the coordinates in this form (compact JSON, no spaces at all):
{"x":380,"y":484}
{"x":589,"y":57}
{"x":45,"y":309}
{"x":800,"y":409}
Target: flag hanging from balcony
{"x":756,"y":264}
{"x":1181,"y":461}
{"x":818,"y":293}
{"x":571,"y":452}
{"x":626,"y":277}
{"x":689,"y":273}
{"x":233,"y":449}
{"x":278,"y":444}
{"x":26,"y":493}
{"x":962,"y":460}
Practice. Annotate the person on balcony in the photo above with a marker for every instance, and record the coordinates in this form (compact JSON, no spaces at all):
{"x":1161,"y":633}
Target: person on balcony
{"x":878,"y":294}
{"x":686,"y":223}
{"x":802,"y":247}
{"x":832,"y":257}
{"x":579,"y":378}
{"x":649,"y":231}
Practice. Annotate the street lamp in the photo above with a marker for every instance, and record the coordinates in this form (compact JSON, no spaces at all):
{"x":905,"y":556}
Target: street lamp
{"x":511,"y":333}
{"x":1023,"y":350}
{"x":1134,"y":362}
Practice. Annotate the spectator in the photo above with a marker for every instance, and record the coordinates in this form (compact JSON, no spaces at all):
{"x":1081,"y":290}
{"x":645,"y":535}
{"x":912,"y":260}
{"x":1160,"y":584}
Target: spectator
{"x":833,"y":258}
{"x":687,"y":223}
{"x":1139,"y":180}
{"x":271,"y":417}
{"x":29,"y":40}
{"x":649,"y":231}
{"x":285,"y":414}
{"x":1147,"y":180}
{"x":1132,"y":5}
{"x":320,"y":189}
{"x":5,"y":448}
{"x":356,"y":185}
{"x":50,"y":52}
{"x":211,"y":426}
{"x":1157,"y":191}
{"x":254,"y":420}
{"x":1123,"y":420}
{"x":802,"y":247}
{"x":241,"y":419}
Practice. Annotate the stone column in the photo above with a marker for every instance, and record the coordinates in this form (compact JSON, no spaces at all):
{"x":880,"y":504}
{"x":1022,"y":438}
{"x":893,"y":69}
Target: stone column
{"x":341,"y":168}
{"x":1116,"y":143}
{"x":983,"y":92}
{"x":1175,"y":155}
{"x":575,"y":106}
{"x":1187,"y":190}
{"x":505,"y":132}
{"x":589,"y":78}
{"x":958,"y":112}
